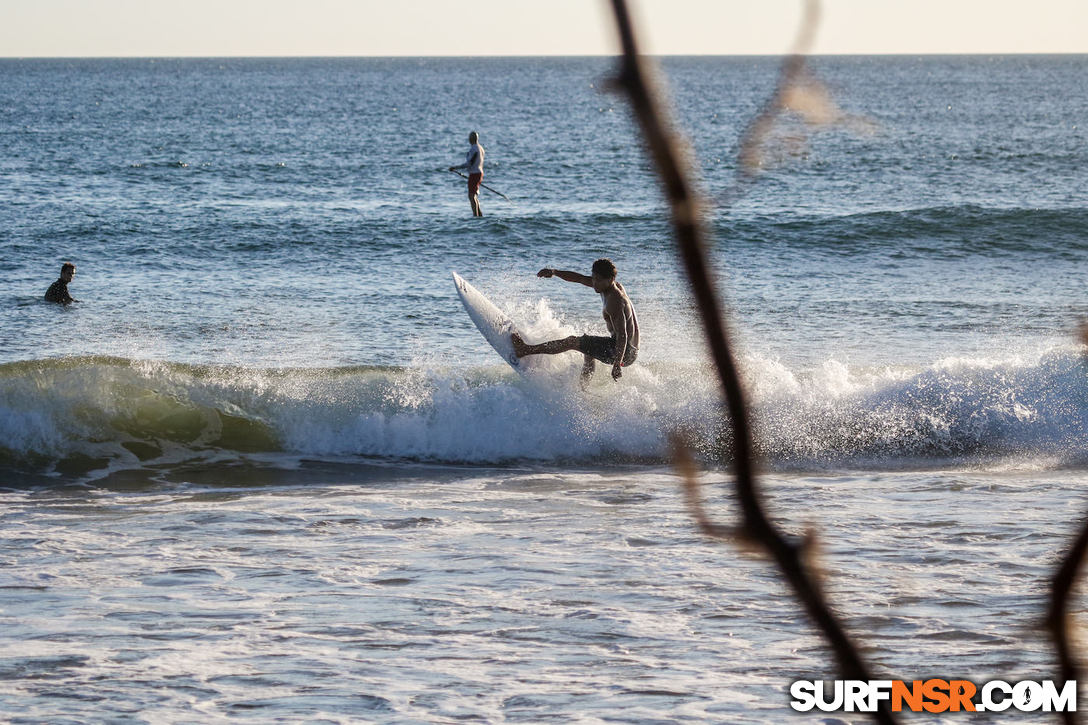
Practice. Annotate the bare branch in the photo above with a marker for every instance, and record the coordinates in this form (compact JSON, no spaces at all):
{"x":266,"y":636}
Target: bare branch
{"x":789,"y":79}
{"x":800,"y":94}
{"x":1061,"y":588}
{"x":1057,"y":620}
{"x":685,"y":465}
{"x":664,"y":148}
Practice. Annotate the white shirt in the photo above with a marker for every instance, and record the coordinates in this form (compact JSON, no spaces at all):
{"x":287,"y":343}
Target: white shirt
{"x":474,"y":159}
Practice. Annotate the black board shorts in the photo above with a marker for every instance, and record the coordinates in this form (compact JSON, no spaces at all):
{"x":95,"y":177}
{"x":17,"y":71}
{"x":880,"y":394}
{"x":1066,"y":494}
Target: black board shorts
{"x":603,"y":348}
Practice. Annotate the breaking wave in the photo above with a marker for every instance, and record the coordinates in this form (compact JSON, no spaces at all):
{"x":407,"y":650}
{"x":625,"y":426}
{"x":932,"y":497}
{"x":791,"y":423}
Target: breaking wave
{"x":75,"y":415}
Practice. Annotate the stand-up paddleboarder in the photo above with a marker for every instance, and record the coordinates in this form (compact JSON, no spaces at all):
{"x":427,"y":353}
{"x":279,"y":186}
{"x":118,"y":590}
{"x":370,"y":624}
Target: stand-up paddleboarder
{"x":474,"y":162}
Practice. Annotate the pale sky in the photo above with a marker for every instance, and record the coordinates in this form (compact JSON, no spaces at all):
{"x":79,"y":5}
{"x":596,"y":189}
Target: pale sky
{"x":75,"y":28}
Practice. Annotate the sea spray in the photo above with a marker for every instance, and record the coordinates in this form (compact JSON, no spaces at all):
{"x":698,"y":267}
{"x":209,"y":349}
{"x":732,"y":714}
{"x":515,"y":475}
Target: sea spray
{"x":117,"y":412}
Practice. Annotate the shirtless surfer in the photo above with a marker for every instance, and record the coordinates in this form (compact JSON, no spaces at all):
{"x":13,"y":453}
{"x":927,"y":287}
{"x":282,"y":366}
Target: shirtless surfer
{"x":620,"y":348}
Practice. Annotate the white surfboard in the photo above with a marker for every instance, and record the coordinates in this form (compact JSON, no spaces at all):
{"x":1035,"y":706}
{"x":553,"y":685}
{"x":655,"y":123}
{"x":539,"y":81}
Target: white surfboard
{"x":492,"y":322}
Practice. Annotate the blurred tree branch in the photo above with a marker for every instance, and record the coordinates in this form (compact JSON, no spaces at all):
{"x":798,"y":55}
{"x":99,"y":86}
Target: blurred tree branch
{"x":799,"y":96}
{"x":665,"y":148}
{"x":1061,"y":588}
{"x":1057,"y":620}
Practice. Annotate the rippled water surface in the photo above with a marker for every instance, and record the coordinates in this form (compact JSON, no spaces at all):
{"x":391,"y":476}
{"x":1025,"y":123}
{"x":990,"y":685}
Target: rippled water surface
{"x":333,"y":593}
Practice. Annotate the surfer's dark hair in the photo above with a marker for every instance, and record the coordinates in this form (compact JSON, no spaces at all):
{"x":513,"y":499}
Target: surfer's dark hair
{"x":473,"y":136}
{"x":604,"y":268}
{"x":67,"y":266}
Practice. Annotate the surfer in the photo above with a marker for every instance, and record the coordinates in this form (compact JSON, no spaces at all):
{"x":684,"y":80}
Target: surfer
{"x":474,"y":162}
{"x":620,"y":348}
{"x":58,"y":291}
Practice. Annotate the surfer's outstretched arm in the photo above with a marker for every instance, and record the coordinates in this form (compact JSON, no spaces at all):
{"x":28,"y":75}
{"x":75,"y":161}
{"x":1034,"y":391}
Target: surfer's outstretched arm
{"x":565,"y":275}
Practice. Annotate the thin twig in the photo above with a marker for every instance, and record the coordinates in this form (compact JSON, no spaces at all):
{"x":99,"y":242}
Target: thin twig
{"x":1057,"y":620}
{"x":793,"y":68}
{"x":798,"y":94}
{"x":664,"y":147}
{"x":1061,"y":587}
{"x":685,"y":466}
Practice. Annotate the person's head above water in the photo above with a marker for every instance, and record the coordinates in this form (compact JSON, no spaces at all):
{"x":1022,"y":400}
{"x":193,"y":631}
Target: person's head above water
{"x":604,"y":274}
{"x":67,"y":271}
{"x":473,"y":137}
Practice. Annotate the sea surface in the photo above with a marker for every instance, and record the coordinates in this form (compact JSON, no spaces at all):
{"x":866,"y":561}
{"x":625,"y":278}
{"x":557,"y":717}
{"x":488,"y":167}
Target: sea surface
{"x":266,"y":469}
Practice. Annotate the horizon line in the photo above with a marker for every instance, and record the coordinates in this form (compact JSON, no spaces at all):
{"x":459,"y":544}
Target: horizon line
{"x":544,"y":55}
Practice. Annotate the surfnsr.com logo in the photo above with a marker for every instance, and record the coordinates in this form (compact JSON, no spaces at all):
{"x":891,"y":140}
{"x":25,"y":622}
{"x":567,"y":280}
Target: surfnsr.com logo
{"x":933,"y":696}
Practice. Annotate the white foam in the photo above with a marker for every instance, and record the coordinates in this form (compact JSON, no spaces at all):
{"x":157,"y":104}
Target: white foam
{"x":1026,"y":407}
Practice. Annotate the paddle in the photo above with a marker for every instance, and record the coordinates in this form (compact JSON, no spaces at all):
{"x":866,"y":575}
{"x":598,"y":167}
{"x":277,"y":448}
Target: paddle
{"x":504,"y":196}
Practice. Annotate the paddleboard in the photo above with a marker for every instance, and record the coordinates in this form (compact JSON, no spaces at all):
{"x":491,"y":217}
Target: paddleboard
{"x":492,"y":322}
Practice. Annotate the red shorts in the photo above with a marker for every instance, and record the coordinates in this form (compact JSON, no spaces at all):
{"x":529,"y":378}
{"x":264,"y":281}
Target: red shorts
{"x":474,"y":184}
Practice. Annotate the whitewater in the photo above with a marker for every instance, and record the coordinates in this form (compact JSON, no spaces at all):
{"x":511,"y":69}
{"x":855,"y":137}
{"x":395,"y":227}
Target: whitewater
{"x":95,"y":416}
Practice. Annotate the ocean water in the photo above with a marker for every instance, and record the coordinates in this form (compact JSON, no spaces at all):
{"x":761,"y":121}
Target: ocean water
{"x":267,"y":469}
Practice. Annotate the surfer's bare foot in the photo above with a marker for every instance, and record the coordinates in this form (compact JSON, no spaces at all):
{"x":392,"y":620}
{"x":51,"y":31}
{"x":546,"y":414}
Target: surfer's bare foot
{"x":520,"y":348}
